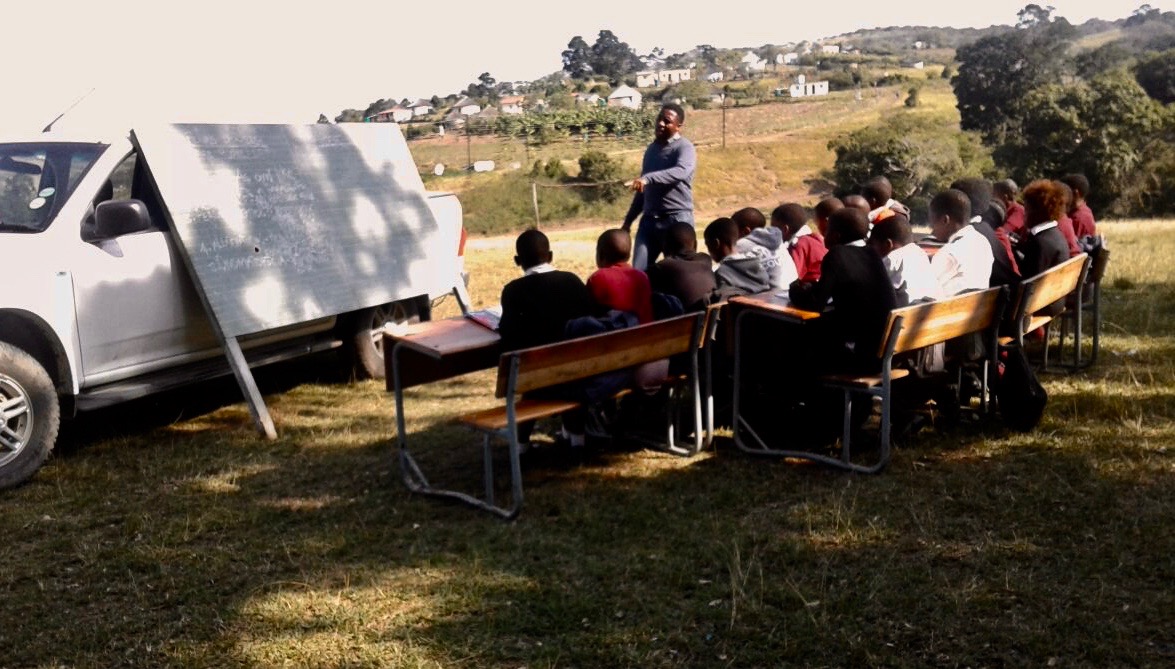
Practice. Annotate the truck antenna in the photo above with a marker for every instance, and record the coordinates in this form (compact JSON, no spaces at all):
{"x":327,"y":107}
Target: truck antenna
{"x":75,"y":103}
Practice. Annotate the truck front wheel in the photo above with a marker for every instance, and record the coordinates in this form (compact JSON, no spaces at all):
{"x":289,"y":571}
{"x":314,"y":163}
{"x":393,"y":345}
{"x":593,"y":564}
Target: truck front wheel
{"x":365,"y":344}
{"x":29,"y":416}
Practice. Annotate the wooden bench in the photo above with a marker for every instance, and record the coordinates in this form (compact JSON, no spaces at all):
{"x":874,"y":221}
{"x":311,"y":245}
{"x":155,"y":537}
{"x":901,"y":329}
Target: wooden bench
{"x":569,"y":361}
{"x":908,"y":329}
{"x":1036,"y":293}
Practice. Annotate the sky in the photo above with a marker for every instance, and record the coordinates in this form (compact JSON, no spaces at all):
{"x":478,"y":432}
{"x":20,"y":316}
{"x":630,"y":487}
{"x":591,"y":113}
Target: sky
{"x":260,"y":61}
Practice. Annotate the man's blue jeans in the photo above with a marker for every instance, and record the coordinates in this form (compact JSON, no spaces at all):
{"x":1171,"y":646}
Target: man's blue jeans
{"x":650,"y":233}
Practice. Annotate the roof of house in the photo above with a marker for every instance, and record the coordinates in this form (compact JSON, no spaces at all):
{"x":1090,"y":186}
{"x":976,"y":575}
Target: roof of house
{"x":512,"y":100}
{"x":420,"y":103}
{"x":465,"y":102}
{"x":623,"y":91}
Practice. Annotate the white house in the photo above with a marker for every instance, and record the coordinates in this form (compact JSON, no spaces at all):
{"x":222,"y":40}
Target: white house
{"x":624,"y":96}
{"x":587,"y":98}
{"x":790,"y":58}
{"x":467,"y":107}
{"x":753,"y":63}
{"x":714,"y":77}
{"x":830,"y":48}
{"x":511,"y":104}
{"x":655,"y":78}
{"x":919,"y":65}
{"x":421,"y":108}
{"x":807,"y":89}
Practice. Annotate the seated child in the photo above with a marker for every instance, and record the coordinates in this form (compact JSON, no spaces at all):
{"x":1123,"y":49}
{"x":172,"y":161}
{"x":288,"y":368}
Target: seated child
{"x":878,"y":192}
{"x":537,"y":305}
{"x":1064,"y":223}
{"x":906,"y":262}
{"x":684,"y":273}
{"x":766,"y":244}
{"x":1083,"y":223}
{"x":856,"y":202}
{"x":1005,"y":191}
{"x":805,"y":246}
{"x":737,"y":273}
{"x":617,"y":284}
{"x":856,"y":284}
{"x":965,"y":260}
{"x":979,"y":192}
{"x":1043,"y":246}
{"x":823,"y":210}
{"x":535,"y":311}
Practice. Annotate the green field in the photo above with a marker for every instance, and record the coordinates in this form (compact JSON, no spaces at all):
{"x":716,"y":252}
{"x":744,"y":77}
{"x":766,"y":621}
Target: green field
{"x":166,"y":533}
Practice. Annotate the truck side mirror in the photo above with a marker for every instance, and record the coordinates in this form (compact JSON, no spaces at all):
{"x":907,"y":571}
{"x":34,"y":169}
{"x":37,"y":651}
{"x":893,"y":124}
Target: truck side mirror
{"x":116,"y":218}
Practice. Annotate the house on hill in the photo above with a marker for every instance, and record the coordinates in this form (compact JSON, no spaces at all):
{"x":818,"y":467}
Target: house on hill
{"x":714,"y":77}
{"x":625,"y":96}
{"x":511,"y":104}
{"x":806,"y":89}
{"x":656,"y":78}
{"x":421,"y":108}
{"x":753,"y":63}
{"x":467,"y":106}
{"x":830,"y":48}
{"x":454,"y":120}
{"x":396,"y":114}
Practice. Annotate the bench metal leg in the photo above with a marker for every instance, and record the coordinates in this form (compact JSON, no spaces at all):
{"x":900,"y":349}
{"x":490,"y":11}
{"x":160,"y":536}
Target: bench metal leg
{"x":415,"y":480}
{"x":747,"y":440}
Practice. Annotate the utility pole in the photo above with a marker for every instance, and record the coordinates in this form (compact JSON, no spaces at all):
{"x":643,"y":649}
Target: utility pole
{"x":724,"y":121}
{"x":468,"y":147}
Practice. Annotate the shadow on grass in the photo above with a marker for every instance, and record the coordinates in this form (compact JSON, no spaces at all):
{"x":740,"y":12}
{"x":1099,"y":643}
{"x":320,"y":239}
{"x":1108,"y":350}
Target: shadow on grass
{"x":202,"y":545}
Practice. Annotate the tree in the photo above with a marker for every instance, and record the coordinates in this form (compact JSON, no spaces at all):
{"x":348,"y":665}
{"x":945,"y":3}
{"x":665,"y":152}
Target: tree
{"x":920,"y":159}
{"x":596,"y":167}
{"x":1106,"y":57}
{"x":996,"y":71}
{"x":612,"y":58}
{"x":322,"y":119}
{"x":1034,"y":15}
{"x":577,"y":58}
{"x":1107,"y":129}
{"x":1156,"y":75}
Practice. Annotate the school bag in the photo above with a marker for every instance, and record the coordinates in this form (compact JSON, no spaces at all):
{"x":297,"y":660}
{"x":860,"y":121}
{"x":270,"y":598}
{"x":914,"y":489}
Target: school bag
{"x":1022,"y":399}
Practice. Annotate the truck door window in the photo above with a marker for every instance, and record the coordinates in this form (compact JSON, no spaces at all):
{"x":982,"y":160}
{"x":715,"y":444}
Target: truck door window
{"x":37,"y":178}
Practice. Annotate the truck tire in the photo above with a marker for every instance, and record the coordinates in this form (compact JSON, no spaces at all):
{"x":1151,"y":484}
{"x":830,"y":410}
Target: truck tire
{"x":29,"y":416}
{"x":365,"y":345}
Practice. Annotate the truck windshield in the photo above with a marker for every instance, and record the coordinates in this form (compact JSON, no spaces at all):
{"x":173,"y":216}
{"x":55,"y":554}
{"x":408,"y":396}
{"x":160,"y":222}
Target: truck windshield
{"x":37,"y":178}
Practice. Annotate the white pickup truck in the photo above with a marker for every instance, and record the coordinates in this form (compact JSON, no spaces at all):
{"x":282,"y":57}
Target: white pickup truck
{"x":82,"y":236}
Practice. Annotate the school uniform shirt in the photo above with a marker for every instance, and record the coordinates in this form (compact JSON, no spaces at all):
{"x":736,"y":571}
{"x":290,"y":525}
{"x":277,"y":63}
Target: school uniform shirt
{"x":964,"y":262}
{"x":767,"y":245}
{"x":807,"y":251}
{"x":855,"y":282}
{"x":623,"y":288}
{"x":537,"y":306}
{"x":1083,"y":223}
{"x":1065,"y":225}
{"x":689,"y":277}
{"x":1044,"y":247}
{"x":1014,"y":221}
{"x":890,"y":208}
{"x":909,"y":272}
{"x":1004,"y":269}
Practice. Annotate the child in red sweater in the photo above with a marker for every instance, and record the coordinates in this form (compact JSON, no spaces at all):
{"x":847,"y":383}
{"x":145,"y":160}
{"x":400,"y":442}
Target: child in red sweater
{"x":617,"y":284}
{"x":805,"y":245}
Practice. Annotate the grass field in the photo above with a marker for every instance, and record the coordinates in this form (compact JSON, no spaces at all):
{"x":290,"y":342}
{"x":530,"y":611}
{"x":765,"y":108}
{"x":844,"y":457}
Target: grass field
{"x":167,"y":534}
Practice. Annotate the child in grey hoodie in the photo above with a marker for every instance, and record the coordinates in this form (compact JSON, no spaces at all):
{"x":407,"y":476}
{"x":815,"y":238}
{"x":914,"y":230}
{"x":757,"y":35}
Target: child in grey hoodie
{"x":766,"y":244}
{"x":737,"y":273}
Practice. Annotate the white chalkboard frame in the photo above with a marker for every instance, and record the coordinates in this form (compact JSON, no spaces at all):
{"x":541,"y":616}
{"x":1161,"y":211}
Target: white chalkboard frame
{"x":261,"y":190}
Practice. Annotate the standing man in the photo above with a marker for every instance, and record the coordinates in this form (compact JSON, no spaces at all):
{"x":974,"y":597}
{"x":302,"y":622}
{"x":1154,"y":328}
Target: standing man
{"x":664,"y":191}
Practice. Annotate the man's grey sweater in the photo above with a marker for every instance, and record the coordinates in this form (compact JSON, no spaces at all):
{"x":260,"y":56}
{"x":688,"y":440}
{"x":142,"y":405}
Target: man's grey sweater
{"x":668,"y":171}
